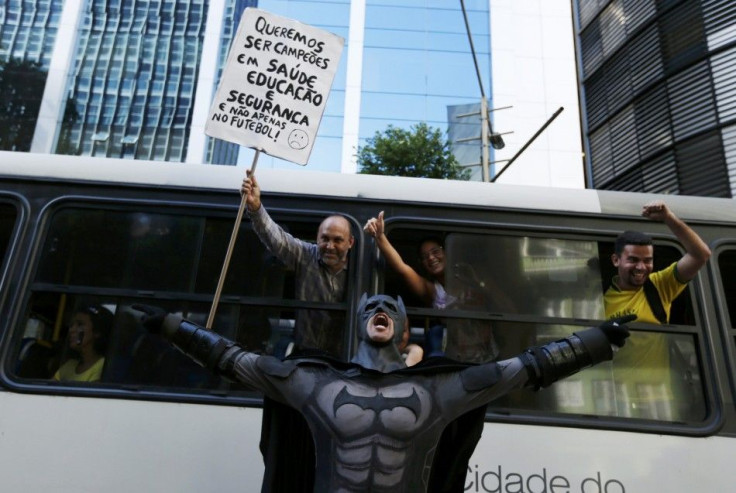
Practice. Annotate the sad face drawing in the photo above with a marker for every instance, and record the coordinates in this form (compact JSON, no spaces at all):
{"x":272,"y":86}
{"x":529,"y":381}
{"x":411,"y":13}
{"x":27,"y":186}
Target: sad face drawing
{"x":298,"y":139}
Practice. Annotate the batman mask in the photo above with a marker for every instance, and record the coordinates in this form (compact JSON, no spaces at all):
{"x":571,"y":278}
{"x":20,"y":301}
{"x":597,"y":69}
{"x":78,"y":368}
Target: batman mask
{"x":377,"y":348}
{"x":387,"y":308}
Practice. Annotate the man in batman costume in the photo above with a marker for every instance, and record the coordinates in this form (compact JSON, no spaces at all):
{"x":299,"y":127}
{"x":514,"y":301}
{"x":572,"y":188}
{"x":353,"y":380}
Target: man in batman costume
{"x":374,"y":423}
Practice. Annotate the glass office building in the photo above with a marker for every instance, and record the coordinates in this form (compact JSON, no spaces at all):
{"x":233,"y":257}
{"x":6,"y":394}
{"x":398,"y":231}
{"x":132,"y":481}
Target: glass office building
{"x":133,"y":79}
{"x":27,"y":35}
{"x":659,"y":93}
{"x":28,"y":30}
{"x":125,"y":76}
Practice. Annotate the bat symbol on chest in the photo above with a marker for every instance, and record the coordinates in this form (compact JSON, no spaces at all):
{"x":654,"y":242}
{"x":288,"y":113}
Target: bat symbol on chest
{"x":378,"y":402}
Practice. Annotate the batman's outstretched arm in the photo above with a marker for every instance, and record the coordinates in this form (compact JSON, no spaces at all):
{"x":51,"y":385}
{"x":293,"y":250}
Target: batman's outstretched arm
{"x":225,"y":357}
{"x":556,"y":360}
{"x":228,"y":360}
{"x":205,"y":347}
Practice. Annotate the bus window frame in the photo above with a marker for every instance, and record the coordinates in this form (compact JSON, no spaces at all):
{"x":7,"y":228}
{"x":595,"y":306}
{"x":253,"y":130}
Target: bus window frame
{"x":7,"y":267}
{"x":696,"y":292}
{"x":357,"y":258}
{"x":202,"y":209}
{"x":728,"y":326}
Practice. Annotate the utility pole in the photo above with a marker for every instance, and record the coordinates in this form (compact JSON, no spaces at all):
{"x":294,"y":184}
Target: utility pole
{"x":486,"y":130}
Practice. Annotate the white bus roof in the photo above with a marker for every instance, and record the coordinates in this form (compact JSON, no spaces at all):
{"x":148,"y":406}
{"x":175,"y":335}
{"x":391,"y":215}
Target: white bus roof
{"x":387,"y":188}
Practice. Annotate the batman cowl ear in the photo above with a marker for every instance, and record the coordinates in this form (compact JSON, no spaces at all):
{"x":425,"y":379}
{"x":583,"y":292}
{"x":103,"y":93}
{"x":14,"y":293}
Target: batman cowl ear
{"x":362,"y":303}
{"x":402,"y":308}
{"x":399,"y":333}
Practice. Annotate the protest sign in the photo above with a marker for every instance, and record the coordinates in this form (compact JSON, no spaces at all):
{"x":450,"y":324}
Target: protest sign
{"x":274,"y":87}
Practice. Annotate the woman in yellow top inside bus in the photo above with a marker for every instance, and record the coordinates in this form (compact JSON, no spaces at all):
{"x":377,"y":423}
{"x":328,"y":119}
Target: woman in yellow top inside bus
{"x":88,"y":335}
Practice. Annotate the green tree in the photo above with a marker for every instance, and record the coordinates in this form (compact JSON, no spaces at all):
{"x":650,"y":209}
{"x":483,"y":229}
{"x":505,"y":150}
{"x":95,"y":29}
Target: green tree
{"x":421,"y":151}
{"x":21,"y":88}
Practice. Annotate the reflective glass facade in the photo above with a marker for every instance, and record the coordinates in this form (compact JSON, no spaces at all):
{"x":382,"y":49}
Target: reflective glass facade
{"x":220,"y":151}
{"x":429,"y":42}
{"x":332,"y":16}
{"x":28,"y":29}
{"x":125,"y":72}
{"x":417,"y":62}
{"x":134,"y":75}
{"x":409,"y":61}
{"x":658,"y":91}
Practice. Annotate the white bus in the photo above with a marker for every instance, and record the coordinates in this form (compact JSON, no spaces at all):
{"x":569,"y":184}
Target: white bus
{"x":77,"y":230}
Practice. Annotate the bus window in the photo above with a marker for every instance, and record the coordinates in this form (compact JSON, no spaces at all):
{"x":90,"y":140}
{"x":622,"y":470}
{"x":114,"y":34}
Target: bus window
{"x":681,"y":311}
{"x":406,"y":241}
{"x":670,"y":392}
{"x":261,"y":275}
{"x":727,"y":267}
{"x":173,"y":261}
{"x":130,"y":355}
{"x":538,"y":276}
{"x":253,"y":271}
{"x":118,"y":249}
{"x":505,"y":293}
{"x":668,"y":386}
{"x":655,"y":377}
{"x":8,"y":217}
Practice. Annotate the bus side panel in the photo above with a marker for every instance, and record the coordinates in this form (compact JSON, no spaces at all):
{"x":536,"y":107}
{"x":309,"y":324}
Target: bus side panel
{"x":74,"y":444}
{"x":573,"y":460}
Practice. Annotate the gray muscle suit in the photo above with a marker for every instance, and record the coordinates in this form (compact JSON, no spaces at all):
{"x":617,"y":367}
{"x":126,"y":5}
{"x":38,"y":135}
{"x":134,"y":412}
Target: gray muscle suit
{"x":375,"y":424}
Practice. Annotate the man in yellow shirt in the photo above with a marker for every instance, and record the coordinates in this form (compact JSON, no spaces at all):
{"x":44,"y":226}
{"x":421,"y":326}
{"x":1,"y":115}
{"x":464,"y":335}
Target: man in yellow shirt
{"x":641,"y":372}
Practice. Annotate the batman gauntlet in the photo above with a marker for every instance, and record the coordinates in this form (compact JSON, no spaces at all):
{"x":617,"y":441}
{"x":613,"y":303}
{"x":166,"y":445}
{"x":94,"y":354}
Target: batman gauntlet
{"x":556,"y":360}
{"x":203,"y":346}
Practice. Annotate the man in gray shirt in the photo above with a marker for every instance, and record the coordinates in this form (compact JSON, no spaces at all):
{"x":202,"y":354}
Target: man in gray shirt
{"x":320,"y":269}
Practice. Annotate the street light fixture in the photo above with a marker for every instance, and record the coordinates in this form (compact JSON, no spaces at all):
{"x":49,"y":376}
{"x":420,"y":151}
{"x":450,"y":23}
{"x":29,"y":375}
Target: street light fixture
{"x":497,"y":141}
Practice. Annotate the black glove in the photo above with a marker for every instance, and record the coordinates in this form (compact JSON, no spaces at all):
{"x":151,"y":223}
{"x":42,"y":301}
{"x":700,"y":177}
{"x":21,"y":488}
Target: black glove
{"x":616,"y":330}
{"x":152,"y":317}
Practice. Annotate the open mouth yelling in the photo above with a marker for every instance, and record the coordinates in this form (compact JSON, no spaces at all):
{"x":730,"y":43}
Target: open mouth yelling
{"x":381,"y":321}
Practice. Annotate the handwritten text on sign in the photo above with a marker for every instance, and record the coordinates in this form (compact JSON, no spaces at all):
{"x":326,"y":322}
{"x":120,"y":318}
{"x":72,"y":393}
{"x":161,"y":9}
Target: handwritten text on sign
{"x":275,"y":85}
